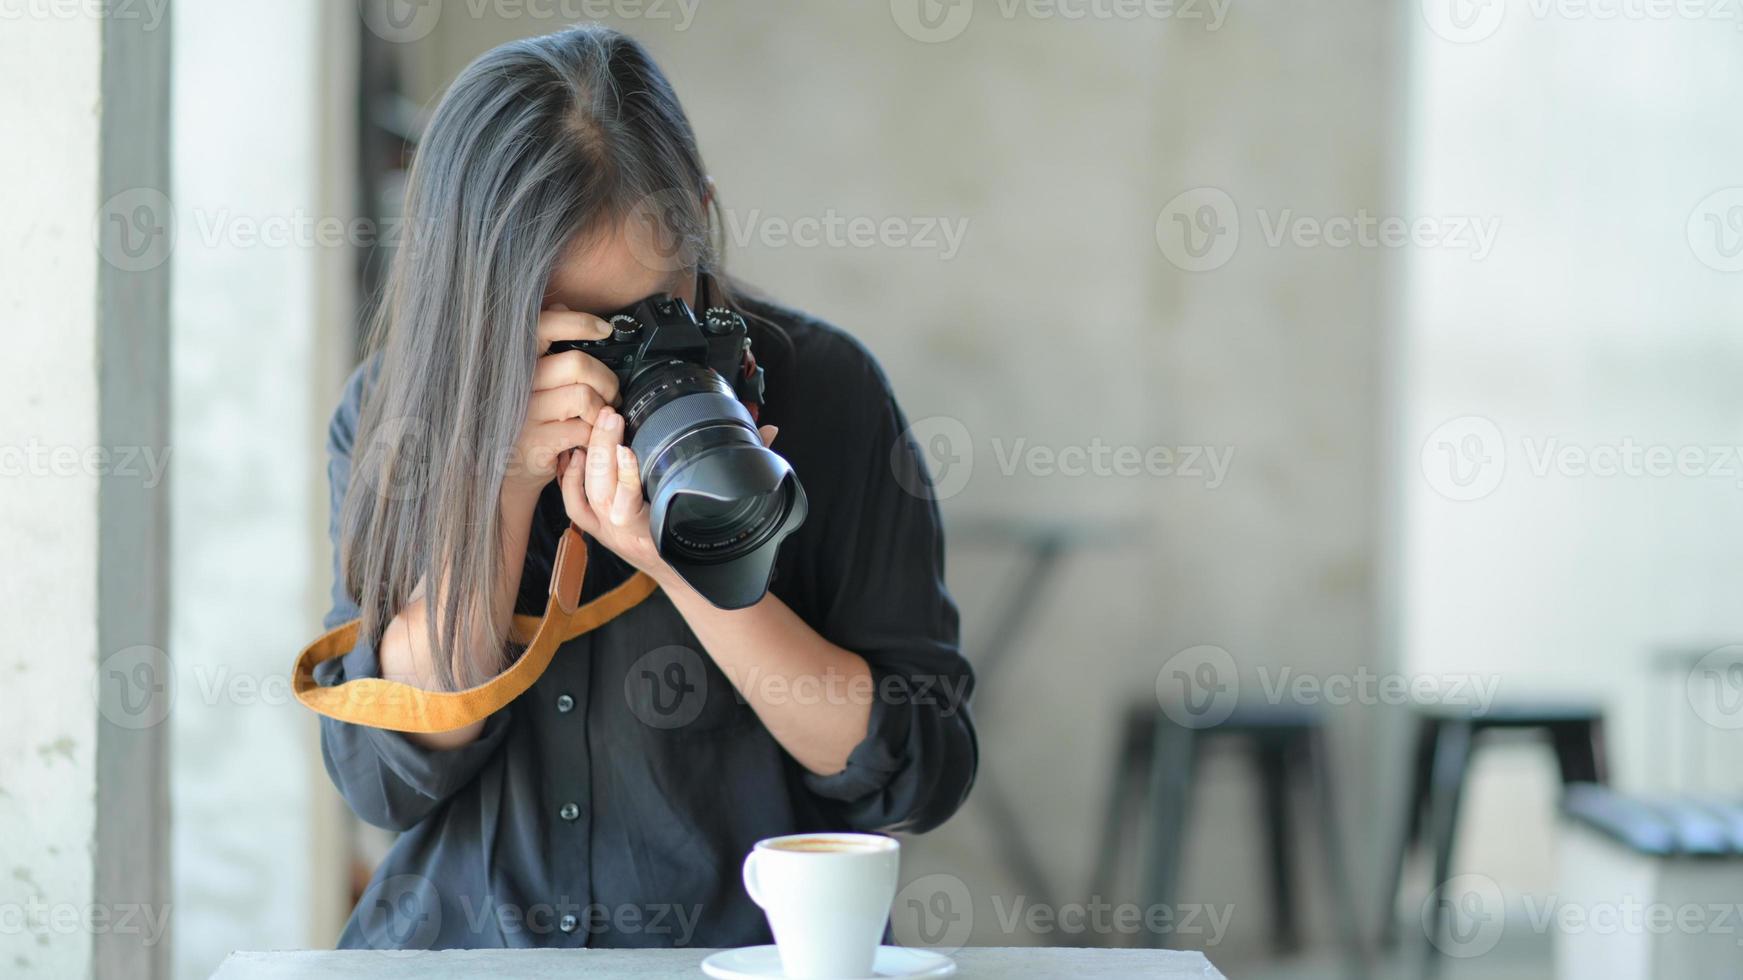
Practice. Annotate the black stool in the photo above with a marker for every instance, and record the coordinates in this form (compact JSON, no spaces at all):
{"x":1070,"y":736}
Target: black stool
{"x":1285,"y":741}
{"x":1446,"y":737}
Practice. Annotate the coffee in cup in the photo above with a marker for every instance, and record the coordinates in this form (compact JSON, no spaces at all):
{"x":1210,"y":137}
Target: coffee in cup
{"x":827,"y":897}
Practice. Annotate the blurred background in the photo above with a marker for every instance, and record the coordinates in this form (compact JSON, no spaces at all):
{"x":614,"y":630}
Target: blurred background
{"x":1332,"y":407}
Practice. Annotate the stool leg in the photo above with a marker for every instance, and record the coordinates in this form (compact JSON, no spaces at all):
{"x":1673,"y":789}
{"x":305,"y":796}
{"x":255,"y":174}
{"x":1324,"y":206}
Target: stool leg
{"x":1331,"y":834}
{"x":1415,"y":808}
{"x":1274,"y":789}
{"x":1131,"y":768}
{"x":1574,"y":752}
{"x":1452,"y":757}
{"x":1171,"y":765}
{"x":1579,"y":750}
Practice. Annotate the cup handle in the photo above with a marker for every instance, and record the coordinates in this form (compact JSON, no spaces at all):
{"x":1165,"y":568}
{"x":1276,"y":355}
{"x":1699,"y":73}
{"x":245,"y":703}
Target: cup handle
{"x":750,"y":879}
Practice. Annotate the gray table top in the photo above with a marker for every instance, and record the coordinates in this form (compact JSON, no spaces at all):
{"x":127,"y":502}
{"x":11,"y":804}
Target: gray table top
{"x":552,"y":964}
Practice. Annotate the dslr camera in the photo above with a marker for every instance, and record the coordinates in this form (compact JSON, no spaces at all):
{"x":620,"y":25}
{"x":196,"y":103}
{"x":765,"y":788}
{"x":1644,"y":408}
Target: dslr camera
{"x":720,"y":501}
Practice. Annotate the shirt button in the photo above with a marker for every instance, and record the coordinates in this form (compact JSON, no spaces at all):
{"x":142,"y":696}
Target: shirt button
{"x":569,"y":811}
{"x":568,"y":923}
{"x":565,"y":703}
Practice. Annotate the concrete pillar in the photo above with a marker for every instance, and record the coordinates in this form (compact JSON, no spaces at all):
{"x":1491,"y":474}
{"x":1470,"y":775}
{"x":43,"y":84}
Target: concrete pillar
{"x":84,"y":427}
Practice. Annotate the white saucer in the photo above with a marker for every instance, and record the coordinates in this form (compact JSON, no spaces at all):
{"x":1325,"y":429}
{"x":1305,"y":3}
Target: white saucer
{"x":893,"y":962}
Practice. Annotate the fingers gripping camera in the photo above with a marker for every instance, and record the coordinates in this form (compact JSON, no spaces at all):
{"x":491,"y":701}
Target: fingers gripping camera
{"x":720,"y":501}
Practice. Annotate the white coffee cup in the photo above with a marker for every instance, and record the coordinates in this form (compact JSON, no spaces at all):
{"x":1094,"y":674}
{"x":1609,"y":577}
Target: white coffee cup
{"x":827,"y":897}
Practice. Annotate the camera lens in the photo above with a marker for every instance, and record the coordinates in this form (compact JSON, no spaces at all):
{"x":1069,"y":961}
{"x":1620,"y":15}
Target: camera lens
{"x":715,"y":530}
{"x":720,"y":501}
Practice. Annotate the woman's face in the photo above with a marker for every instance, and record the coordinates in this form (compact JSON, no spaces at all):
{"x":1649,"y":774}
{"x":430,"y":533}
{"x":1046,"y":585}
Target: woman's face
{"x":601,"y":274}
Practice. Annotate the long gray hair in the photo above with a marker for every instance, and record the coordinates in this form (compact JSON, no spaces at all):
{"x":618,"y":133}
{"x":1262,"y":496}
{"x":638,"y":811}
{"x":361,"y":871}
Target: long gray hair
{"x":537,"y":143}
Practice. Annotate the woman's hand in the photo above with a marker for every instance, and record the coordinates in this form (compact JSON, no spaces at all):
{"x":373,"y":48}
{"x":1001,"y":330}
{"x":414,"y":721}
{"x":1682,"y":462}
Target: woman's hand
{"x":762,"y":649}
{"x":602,"y":491}
{"x":569,"y":389}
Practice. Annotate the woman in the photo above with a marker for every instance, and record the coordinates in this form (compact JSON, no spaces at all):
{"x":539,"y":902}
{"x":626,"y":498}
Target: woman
{"x":612,"y":803}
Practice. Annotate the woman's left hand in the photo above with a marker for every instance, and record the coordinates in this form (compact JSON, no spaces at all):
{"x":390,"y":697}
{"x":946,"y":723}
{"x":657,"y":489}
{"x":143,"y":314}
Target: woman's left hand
{"x":602,"y":491}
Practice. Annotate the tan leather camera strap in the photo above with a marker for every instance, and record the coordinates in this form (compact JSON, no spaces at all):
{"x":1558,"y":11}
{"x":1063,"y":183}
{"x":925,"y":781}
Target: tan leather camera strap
{"x":400,"y":707}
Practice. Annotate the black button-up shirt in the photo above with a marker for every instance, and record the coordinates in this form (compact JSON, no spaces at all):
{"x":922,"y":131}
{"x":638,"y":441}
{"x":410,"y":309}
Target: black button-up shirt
{"x":613,"y":803}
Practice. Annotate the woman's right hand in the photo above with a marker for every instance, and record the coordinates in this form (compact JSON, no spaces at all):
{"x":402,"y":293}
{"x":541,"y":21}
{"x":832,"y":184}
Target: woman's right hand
{"x":569,"y":389}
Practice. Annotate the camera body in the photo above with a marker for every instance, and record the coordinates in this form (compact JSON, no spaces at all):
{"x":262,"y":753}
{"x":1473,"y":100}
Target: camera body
{"x":720,"y":502}
{"x":661,"y":330}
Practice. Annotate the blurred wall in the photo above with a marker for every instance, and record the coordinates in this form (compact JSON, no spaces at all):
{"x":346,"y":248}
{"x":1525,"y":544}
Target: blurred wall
{"x":1557,"y":532}
{"x":262,"y":315}
{"x":1061,"y":321}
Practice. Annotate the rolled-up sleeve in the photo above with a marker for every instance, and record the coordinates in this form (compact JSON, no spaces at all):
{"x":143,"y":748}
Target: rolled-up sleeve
{"x":386,"y":779}
{"x":884,"y":598}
